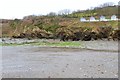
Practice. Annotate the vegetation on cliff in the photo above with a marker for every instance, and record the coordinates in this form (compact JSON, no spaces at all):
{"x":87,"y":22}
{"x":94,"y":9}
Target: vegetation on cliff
{"x":65,"y":26}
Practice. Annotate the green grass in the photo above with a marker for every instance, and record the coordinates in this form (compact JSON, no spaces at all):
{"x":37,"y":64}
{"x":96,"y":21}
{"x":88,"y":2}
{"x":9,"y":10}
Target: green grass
{"x":0,"y":44}
{"x":45,"y":43}
{"x":61,"y":44}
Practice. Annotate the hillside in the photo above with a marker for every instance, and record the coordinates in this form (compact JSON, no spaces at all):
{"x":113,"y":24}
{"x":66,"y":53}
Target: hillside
{"x":96,"y":12}
{"x":51,"y":26}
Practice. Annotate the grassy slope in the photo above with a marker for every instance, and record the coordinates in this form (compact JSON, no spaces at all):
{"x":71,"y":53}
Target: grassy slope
{"x":106,"y":11}
{"x":50,"y":24}
{"x":114,"y":24}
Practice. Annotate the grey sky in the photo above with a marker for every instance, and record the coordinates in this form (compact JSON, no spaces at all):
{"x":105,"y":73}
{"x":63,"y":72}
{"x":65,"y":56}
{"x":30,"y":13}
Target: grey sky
{"x":11,"y":9}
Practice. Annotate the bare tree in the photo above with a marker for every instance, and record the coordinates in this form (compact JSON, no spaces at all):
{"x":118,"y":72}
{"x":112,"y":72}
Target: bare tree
{"x":52,"y":14}
{"x":29,"y":17}
{"x":64,"y":12}
{"x":107,"y":4}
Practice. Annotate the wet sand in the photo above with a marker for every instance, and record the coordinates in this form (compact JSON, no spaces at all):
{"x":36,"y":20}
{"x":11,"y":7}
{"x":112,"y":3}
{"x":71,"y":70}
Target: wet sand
{"x":45,"y":62}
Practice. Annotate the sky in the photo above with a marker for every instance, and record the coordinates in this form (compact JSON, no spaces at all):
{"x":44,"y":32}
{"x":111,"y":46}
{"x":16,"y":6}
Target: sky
{"x":11,"y":9}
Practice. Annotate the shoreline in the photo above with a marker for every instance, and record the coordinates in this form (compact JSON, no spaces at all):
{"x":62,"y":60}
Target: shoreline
{"x":30,"y":60}
{"x":98,"y":45}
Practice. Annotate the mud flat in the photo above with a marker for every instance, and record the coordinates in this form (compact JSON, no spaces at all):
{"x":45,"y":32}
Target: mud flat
{"x":50,"y":62}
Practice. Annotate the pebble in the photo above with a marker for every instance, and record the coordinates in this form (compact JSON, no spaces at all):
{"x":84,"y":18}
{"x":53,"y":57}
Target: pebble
{"x":48,"y":76}
{"x":98,"y":69}
{"x":67,"y":65}
{"x":116,"y":75}
{"x":102,"y":64}
{"x":90,"y":66}
{"x":84,"y":74}
{"x":105,"y":71}
{"x":102,"y":72}
{"x":98,"y":65}
{"x":84,"y":60}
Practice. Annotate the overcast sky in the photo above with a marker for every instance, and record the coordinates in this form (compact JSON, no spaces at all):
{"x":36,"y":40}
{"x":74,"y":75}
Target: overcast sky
{"x":11,"y":9}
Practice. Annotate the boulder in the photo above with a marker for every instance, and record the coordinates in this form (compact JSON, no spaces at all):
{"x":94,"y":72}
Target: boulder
{"x":115,"y":35}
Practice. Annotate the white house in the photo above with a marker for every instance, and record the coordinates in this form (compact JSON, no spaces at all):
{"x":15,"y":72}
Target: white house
{"x":114,"y":17}
{"x":102,"y":18}
{"x":92,"y":18}
{"x":83,"y":19}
